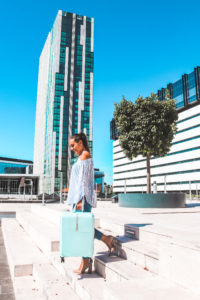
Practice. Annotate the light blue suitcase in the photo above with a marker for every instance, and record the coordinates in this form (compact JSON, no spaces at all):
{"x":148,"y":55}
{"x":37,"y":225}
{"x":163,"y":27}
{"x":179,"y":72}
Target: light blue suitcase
{"x":76,"y":234}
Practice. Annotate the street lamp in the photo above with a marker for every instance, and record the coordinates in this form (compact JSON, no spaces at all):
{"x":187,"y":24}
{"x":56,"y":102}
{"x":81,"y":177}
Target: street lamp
{"x":43,"y":190}
{"x":165,"y":184}
{"x":31,"y":189}
{"x":125,"y":186}
{"x":190,"y":190}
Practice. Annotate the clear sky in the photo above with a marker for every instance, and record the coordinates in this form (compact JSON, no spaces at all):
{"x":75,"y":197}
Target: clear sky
{"x":140,"y":46}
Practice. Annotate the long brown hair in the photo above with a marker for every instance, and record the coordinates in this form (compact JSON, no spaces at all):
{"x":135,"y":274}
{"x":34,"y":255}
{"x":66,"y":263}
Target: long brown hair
{"x":81,"y":137}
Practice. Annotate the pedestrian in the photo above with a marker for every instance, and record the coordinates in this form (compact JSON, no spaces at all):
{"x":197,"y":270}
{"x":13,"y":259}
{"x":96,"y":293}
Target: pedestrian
{"x":81,"y":193}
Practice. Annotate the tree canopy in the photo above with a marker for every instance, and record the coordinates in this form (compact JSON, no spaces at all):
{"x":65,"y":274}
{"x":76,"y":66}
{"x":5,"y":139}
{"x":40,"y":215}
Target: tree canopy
{"x":146,"y":127}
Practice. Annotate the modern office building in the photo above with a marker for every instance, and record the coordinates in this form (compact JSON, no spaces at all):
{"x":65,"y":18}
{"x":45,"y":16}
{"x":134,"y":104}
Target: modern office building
{"x":16,"y":176}
{"x":15,"y":166}
{"x":64,"y":97}
{"x":180,"y":169}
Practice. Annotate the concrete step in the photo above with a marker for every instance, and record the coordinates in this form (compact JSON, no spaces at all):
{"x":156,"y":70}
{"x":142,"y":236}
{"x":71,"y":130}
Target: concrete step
{"x":111,"y":226}
{"x":148,"y":230}
{"x":143,"y":254}
{"x":119,"y":267}
{"x":147,"y":288}
{"x":173,"y":261}
{"x":137,"y":286}
{"x":86,"y":286}
{"x":180,"y":264}
{"x":46,"y":236}
{"x":38,"y":278}
{"x":25,"y":288}
{"x":143,"y":232}
{"x":21,"y":251}
{"x":52,"y":215}
{"x":152,"y":233}
{"x":114,"y":268}
{"x":172,"y":258}
{"x":138,"y":252}
{"x":150,"y":256}
{"x":174,"y":264}
{"x":43,"y":233}
{"x":36,"y":223}
{"x":51,"y":284}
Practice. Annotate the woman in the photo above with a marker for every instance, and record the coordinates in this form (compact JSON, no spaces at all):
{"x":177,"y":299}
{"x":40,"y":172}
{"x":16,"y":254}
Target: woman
{"x":81,"y":191}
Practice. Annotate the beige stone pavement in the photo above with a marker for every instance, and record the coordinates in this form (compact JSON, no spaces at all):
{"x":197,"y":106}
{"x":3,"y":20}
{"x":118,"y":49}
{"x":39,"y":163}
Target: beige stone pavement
{"x":184,"y":221}
{"x":187,"y":217}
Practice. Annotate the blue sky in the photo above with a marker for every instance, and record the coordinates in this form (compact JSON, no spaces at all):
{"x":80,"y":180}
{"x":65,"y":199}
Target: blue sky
{"x":140,"y":46}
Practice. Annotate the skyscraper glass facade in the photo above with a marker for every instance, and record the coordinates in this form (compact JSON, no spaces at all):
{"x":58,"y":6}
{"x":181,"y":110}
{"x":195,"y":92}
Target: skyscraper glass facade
{"x":185,"y":91}
{"x":65,"y":96}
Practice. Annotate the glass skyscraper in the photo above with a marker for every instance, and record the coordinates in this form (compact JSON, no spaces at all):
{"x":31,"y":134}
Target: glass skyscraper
{"x":64,"y":97}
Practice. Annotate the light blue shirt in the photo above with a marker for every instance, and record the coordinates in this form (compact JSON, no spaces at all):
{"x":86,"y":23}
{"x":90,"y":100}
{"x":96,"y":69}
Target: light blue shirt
{"x":82,"y":182}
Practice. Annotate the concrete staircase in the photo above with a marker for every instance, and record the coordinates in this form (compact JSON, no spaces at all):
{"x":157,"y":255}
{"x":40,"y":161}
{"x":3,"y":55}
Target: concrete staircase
{"x":154,"y":267}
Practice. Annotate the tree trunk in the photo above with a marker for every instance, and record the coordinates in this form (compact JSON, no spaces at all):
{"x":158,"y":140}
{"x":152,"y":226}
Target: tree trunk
{"x":148,"y":174}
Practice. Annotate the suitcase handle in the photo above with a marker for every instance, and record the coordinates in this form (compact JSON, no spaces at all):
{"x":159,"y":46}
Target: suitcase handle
{"x":76,"y":222}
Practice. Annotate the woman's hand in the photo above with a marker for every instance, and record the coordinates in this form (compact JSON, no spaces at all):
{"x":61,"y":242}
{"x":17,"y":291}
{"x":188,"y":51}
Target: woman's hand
{"x":79,"y":205}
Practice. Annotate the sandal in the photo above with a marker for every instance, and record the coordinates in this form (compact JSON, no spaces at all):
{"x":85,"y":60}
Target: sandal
{"x":113,"y":244}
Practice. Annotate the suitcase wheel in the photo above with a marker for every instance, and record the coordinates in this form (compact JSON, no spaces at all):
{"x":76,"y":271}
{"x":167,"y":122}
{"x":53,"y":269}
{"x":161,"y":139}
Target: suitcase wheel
{"x":62,"y":259}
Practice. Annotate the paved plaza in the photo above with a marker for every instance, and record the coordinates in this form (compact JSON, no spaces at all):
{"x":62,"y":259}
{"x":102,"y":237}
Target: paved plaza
{"x":165,"y":249}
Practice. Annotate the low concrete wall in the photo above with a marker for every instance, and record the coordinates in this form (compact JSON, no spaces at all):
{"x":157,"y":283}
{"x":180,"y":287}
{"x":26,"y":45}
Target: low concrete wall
{"x":17,"y":196}
{"x":169,"y":200}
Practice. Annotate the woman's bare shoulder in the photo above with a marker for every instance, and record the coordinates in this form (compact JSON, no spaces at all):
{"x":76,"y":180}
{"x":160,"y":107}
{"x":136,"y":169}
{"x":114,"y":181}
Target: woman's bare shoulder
{"x":85,"y":155}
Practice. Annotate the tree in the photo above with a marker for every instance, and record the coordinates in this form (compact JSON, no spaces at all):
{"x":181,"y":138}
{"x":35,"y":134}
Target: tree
{"x":146,"y":127}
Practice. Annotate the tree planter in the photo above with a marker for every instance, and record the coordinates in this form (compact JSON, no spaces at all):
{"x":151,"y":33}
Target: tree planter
{"x":169,"y":200}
